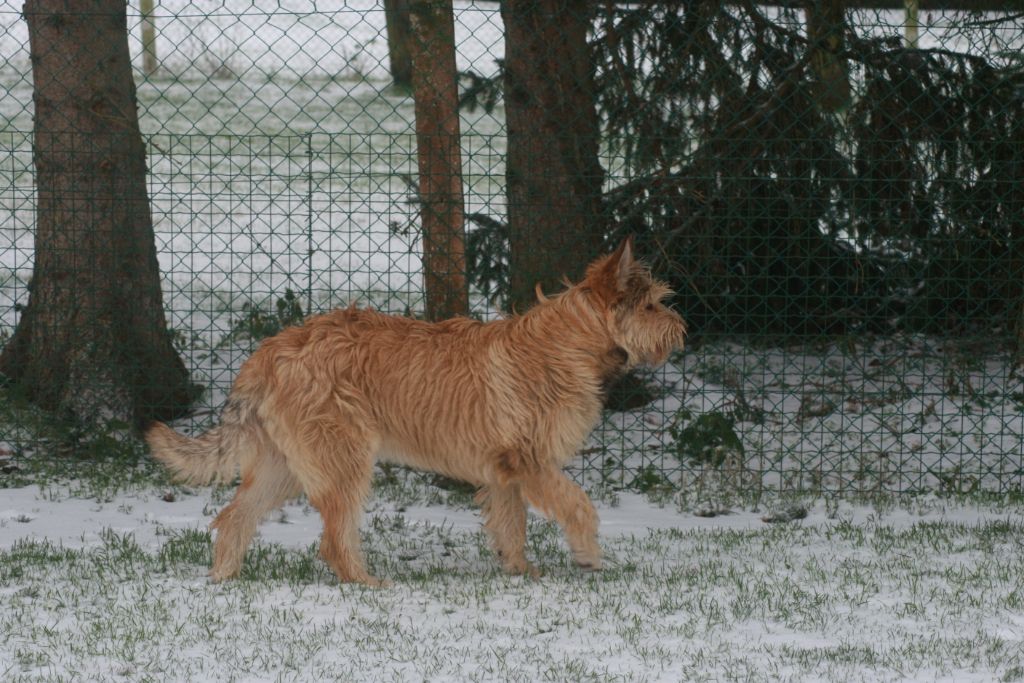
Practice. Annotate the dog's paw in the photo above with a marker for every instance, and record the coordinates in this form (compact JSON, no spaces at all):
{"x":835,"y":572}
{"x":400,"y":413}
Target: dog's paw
{"x":373,"y":582}
{"x":518,"y":566}
{"x":523,"y":568}
{"x":588,"y":558}
{"x":220,"y":575}
{"x":589,"y":562}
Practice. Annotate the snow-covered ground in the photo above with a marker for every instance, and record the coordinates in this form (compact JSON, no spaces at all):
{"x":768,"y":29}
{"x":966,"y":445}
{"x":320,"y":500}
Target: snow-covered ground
{"x":116,"y":590}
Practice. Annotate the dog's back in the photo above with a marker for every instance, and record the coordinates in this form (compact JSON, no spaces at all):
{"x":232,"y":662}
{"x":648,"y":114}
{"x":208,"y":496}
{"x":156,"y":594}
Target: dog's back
{"x":444,"y":396}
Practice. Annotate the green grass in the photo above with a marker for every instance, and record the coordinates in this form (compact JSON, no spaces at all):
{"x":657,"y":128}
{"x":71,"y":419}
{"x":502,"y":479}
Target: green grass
{"x":836,"y":600}
{"x":788,"y":602}
{"x":96,"y":465}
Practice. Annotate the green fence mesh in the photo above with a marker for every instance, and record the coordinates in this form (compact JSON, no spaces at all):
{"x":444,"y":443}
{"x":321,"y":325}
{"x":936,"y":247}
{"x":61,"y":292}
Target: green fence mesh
{"x":834,"y":192}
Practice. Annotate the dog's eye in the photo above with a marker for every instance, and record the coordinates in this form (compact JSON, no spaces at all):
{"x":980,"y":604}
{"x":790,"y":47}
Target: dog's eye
{"x":649,"y":307}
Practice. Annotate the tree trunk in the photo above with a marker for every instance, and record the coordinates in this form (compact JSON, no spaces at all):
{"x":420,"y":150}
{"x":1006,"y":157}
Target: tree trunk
{"x":825,"y":25}
{"x":92,"y":344}
{"x":440,"y":159}
{"x":553,"y":175}
{"x":1012,"y":174}
{"x":396,"y":13}
{"x":149,"y":61}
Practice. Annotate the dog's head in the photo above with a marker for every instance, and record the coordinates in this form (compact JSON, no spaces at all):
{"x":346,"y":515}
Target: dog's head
{"x":636,"y":315}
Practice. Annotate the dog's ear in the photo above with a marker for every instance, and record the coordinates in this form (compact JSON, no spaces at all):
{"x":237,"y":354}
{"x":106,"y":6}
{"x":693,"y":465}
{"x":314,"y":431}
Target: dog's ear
{"x":541,"y":296}
{"x":618,"y":266}
{"x":622,"y":260}
{"x":609,"y":275}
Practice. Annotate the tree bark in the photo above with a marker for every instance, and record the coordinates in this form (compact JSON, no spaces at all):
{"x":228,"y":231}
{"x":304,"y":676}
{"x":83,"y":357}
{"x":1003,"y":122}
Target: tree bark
{"x":826,"y":22}
{"x":553,"y":175}
{"x":92,"y":343}
{"x":149,"y":61}
{"x":396,"y":13}
{"x":912,"y":24}
{"x":436,"y":95}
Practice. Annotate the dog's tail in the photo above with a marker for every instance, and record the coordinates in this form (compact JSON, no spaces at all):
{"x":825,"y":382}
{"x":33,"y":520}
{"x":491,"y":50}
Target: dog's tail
{"x":211,"y":457}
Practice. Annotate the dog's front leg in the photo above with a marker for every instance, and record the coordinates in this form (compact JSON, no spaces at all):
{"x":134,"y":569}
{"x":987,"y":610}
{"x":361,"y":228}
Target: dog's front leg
{"x":559,"y":498}
{"x":504,"y":513}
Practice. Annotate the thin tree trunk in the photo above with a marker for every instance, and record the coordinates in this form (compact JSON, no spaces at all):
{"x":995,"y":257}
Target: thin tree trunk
{"x":396,"y":13}
{"x":92,"y":344}
{"x":825,"y":24}
{"x":440,"y":159}
{"x":149,"y":61}
{"x":1013,"y":179}
{"x":553,"y":175}
{"x":913,"y":23}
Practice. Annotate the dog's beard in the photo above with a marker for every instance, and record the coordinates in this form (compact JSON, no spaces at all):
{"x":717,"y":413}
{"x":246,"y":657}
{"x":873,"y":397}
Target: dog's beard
{"x":656,"y":353}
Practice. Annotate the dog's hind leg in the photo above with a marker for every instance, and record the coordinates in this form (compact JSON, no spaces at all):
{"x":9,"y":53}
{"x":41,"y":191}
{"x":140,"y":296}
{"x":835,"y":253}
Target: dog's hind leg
{"x":330,"y":449}
{"x":340,"y":507}
{"x":266,"y":484}
{"x":504,"y":513}
{"x":559,"y":498}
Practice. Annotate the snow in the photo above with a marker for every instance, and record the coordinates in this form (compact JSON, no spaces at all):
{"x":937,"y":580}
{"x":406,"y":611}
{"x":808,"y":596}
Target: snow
{"x":852,"y":592}
{"x":75,"y":522}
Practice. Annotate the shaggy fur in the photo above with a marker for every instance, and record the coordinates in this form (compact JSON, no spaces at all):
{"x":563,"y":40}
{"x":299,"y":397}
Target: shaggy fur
{"x":502,"y":405}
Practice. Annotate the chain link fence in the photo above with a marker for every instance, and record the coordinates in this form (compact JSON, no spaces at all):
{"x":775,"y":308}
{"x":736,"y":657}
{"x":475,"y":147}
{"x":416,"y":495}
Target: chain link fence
{"x":835,"y":193}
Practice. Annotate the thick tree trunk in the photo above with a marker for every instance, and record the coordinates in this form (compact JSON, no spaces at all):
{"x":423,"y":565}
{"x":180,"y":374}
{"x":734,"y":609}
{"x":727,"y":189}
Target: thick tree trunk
{"x":93,"y":343}
{"x":396,"y":13}
{"x":435,"y":91}
{"x":553,"y":174}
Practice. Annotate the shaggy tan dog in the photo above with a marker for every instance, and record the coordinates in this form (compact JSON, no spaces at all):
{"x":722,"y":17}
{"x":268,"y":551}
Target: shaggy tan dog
{"x":502,"y":405}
